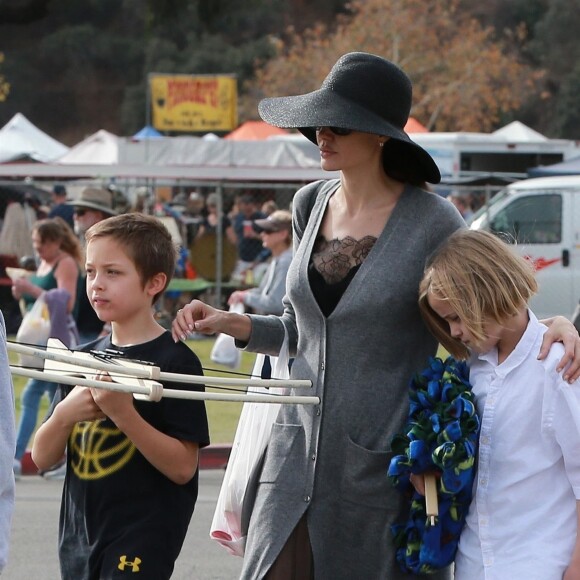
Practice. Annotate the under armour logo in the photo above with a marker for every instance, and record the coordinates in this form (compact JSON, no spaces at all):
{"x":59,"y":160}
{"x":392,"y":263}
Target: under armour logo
{"x":134,"y":564}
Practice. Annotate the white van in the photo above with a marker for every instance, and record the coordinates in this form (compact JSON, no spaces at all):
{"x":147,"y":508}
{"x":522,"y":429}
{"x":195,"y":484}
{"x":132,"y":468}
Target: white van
{"x":542,"y":216}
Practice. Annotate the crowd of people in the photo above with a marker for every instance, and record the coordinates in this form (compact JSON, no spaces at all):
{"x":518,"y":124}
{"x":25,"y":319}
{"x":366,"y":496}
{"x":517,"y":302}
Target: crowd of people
{"x":365,"y":276}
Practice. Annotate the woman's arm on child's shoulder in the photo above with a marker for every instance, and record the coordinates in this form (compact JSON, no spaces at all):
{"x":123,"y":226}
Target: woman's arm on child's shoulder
{"x":573,"y":570}
{"x":560,"y":329}
{"x":176,"y":459}
{"x":51,"y":438}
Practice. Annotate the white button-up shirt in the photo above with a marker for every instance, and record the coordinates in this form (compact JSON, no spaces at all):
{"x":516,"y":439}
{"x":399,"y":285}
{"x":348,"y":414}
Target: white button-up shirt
{"x":522,"y":520}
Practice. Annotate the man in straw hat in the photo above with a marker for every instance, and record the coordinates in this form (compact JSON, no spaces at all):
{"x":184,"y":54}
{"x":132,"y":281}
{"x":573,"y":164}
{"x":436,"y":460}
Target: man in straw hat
{"x":93,"y":205}
{"x":324,"y":507}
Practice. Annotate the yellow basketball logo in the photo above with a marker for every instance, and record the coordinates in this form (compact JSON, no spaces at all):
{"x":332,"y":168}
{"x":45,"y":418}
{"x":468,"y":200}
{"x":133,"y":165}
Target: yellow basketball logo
{"x":97,"y":450}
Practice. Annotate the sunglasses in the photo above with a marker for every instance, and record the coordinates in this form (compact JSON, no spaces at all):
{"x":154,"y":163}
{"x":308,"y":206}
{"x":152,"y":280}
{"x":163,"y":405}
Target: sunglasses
{"x":336,"y":130}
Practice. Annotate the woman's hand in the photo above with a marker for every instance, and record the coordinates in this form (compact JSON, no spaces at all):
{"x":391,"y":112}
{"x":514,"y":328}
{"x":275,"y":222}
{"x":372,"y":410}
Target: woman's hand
{"x":200,"y":317}
{"x":237,"y":297}
{"x":418,"y":482}
{"x":21,"y":286}
{"x":196,"y":317}
{"x":560,"y":329}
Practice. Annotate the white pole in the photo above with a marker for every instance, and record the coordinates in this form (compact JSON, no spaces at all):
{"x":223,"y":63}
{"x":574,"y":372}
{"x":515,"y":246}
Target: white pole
{"x":146,"y":392}
{"x":151,"y":372}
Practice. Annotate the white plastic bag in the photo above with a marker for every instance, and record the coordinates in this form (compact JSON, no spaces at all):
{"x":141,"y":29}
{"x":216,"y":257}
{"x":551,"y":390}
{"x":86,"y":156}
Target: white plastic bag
{"x":34,"y":330}
{"x":237,"y":494}
{"x":224,"y":351}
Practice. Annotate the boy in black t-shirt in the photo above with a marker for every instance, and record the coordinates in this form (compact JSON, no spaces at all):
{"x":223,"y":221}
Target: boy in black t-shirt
{"x":132,"y":466}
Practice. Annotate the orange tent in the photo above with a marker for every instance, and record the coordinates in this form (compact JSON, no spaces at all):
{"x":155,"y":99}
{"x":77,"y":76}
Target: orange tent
{"x":254,"y":130}
{"x":413,"y":126}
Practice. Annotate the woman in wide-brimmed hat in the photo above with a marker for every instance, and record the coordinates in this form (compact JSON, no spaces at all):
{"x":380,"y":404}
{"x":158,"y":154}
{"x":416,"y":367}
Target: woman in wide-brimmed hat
{"x":324,"y":506}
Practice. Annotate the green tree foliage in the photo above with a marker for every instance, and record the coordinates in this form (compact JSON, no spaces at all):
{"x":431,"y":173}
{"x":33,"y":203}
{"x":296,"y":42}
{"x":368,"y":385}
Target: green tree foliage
{"x":555,"y":47}
{"x":84,"y":65}
{"x":463,"y":78}
{"x":76,"y":67}
{"x":4,"y":84}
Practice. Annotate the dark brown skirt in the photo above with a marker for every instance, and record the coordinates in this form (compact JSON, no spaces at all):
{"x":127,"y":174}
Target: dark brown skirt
{"x":295,"y":561}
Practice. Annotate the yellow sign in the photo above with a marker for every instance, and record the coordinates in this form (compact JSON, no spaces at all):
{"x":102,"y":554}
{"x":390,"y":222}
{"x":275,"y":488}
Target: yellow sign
{"x":194,"y":103}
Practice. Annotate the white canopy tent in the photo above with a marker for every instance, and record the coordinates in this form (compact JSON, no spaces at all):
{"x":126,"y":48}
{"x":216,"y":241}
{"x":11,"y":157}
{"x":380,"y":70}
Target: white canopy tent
{"x":22,"y":140}
{"x":517,"y":131}
{"x":99,"y":148}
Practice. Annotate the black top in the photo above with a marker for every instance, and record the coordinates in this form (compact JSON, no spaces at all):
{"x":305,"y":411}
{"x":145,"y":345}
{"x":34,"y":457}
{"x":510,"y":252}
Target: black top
{"x":118,"y":511}
{"x":328,"y":295}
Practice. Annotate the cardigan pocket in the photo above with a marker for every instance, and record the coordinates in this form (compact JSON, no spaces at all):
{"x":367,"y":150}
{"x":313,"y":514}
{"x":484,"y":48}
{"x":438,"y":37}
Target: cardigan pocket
{"x":284,"y":456}
{"x":364,"y":478}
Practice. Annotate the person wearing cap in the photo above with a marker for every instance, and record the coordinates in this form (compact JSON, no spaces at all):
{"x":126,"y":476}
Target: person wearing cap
{"x":323,"y":505}
{"x":60,"y":207}
{"x":276,"y":234}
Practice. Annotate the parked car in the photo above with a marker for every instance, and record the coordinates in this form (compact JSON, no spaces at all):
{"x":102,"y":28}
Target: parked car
{"x":541,"y":217}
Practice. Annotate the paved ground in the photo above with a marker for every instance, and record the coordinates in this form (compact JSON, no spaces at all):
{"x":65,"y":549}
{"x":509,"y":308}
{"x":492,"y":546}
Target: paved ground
{"x":34,"y":534}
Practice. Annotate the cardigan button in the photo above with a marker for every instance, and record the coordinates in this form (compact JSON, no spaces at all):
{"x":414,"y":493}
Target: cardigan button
{"x":306,"y":498}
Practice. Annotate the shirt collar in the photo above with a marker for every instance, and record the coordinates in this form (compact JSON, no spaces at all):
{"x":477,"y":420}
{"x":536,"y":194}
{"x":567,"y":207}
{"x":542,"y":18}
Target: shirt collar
{"x":522,"y":350}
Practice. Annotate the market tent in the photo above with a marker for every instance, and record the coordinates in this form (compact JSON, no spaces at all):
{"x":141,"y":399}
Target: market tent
{"x":21,"y":140}
{"x":413,"y":126}
{"x":199,"y":152}
{"x":517,"y":131}
{"x":99,"y":148}
{"x":254,"y":130}
{"x":569,"y":167}
{"x":148,"y":132}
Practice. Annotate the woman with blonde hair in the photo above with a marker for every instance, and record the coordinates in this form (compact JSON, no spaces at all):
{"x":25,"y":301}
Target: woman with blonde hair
{"x":474,"y":298}
{"x":60,"y":267}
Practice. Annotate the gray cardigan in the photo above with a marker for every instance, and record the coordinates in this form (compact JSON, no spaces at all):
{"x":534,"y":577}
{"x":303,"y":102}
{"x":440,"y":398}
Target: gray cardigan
{"x":331,"y":460}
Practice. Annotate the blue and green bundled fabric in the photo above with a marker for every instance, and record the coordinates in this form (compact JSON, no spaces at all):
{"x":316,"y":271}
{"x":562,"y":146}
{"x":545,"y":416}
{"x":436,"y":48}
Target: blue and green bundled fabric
{"x":441,"y":437}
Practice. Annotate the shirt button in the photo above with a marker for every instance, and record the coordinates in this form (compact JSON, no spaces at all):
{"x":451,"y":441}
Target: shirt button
{"x":485,"y":440}
{"x":483,"y":481}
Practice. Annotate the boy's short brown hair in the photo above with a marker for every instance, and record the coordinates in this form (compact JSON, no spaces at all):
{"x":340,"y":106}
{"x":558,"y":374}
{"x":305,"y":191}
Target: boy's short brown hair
{"x":146,"y":241}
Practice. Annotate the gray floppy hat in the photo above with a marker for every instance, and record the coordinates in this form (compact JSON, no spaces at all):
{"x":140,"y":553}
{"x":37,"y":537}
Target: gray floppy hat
{"x":362,"y":92}
{"x":95,"y":198}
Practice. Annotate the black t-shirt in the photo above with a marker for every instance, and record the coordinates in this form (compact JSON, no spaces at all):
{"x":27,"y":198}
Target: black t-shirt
{"x":119,"y":514}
